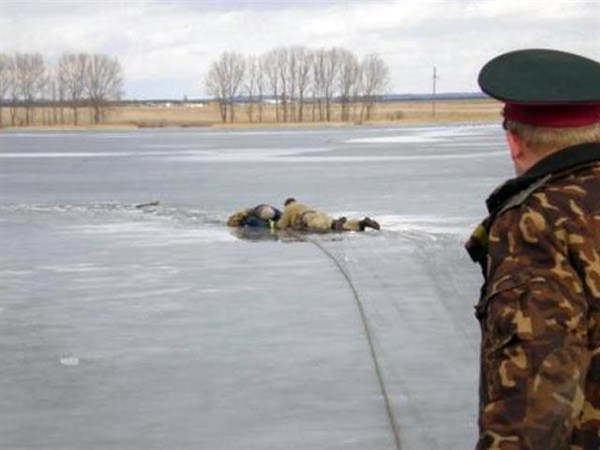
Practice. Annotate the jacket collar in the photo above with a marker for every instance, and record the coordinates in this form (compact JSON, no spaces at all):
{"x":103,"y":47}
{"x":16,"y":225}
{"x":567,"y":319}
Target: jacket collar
{"x":568,"y":158}
{"x":564,"y":160}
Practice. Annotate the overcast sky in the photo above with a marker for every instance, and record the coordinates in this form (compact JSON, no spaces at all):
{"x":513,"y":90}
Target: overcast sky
{"x":165,"y":47}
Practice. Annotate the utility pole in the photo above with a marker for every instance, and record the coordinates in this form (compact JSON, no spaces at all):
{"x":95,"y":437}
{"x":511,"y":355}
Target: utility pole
{"x":435,"y":78}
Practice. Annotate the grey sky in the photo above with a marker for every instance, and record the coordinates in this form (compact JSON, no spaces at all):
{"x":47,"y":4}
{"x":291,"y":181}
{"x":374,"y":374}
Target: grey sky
{"x":165,"y":47}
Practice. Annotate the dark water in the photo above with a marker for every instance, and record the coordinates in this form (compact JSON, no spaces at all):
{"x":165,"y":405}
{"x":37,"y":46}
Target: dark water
{"x":160,"y":328}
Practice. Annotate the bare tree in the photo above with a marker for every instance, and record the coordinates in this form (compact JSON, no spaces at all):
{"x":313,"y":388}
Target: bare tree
{"x":53,"y":93}
{"x":14,"y":91}
{"x":30,"y":78}
{"x":61,"y":99}
{"x":260,"y":87}
{"x":330,"y":73}
{"x":46,"y":97}
{"x":294,"y":61}
{"x":357,"y":91}
{"x":224,"y":78}
{"x":237,"y":69}
{"x":318,"y":89}
{"x":303,"y":67}
{"x":349,"y":70}
{"x":216,"y":86}
{"x":270,"y":65}
{"x":325,"y":71}
{"x":251,"y":84}
{"x":6,"y":80}
{"x":103,"y":82}
{"x":72,"y":74}
{"x":283,"y":69}
{"x":374,"y":82}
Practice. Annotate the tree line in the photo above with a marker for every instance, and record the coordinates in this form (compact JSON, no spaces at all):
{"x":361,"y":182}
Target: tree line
{"x":77,"y":80}
{"x":292,"y":84}
{"x":302,"y":83}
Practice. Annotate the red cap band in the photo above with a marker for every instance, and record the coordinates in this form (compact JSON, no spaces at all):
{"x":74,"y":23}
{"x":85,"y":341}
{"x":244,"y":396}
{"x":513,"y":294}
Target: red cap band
{"x":555,"y":116}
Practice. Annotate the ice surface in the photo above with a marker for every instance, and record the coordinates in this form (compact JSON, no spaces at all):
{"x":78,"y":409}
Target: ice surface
{"x":158,"y":328}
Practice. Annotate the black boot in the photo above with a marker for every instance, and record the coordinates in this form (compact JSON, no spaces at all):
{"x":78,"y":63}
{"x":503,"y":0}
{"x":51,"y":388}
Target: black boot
{"x":367,"y":222}
{"x":338,"y":224}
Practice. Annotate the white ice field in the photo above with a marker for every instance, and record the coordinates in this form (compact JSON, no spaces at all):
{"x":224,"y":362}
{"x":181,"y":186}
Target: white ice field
{"x":159,"y":328}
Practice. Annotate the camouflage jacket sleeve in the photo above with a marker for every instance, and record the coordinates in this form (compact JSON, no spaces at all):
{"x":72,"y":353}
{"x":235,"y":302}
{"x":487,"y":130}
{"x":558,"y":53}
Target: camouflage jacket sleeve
{"x":290,"y":216}
{"x":534,"y":315}
{"x":285,"y":219}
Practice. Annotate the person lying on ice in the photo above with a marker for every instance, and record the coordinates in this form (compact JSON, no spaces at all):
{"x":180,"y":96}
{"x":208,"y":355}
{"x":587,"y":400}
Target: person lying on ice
{"x":296,"y":216}
{"x":261,"y":216}
{"x":299,"y":217}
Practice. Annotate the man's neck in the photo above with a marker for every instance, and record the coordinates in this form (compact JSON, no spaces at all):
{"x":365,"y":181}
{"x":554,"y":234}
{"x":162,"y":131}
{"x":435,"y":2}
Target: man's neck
{"x":530,"y":157}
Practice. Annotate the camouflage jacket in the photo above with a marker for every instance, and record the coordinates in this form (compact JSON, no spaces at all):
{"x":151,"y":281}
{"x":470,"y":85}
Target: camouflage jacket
{"x":539,"y":309}
{"x":299,"y":216}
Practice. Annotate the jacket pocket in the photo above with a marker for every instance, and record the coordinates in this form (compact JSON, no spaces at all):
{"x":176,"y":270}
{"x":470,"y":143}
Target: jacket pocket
{"x":506,"y":329}
{"x":504,"y":313}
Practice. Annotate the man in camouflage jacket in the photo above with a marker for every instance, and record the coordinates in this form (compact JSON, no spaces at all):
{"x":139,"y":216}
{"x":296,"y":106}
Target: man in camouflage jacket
{"x":300,"y":217}
{"x":539,"y":249}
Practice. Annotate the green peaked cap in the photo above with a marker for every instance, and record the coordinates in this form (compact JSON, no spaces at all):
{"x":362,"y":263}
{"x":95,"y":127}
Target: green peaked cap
{"x":542,"y":77}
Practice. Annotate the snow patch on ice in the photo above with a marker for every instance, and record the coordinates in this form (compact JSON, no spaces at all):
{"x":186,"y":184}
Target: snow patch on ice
{"x":63,"y":154}
{"x":423,"y":135}
{"x":150,"y":234}
{"x":69,"y":361}
{"x":17,"y":272}
{"x":75,"y":268}
{"x":330,"y":159}
{"x":427,"y":224}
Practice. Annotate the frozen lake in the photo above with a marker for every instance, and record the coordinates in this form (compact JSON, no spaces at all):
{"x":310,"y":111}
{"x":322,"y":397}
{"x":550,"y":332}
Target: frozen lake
{"x":123,"y":328}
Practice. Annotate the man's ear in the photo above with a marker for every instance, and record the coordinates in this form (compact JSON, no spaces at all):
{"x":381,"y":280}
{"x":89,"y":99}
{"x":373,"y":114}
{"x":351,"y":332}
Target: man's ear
{"x":515,"y":144}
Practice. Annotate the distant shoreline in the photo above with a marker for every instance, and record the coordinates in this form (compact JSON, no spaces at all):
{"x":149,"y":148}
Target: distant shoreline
{"x":127,"y":117}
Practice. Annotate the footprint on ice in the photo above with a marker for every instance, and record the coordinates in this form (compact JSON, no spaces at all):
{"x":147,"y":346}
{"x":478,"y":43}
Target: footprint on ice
{"x":69,"y":361}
